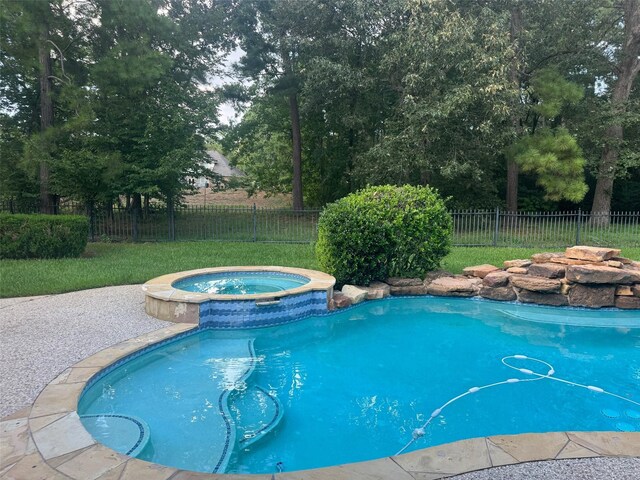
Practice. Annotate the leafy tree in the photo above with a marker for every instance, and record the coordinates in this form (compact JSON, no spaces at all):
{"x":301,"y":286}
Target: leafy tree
{"x":626,"y":65}
{"x":451,"y":68}
{"x":41,"y":51}
{"x":279,"y":37}
{"x":341,"y":95}
{"x":122,"y":82}
{"x":260,"y":146}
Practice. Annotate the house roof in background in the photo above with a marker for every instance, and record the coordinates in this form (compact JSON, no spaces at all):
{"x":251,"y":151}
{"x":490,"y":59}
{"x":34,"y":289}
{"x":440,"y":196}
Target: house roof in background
{"x":221,"y":165}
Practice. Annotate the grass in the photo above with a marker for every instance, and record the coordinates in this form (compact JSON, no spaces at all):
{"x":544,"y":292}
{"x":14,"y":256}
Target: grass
{"x":105,"y":264}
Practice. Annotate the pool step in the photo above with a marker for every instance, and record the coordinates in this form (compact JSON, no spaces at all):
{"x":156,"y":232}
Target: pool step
{"x":125,"y":433}
{"x":256,"y":412}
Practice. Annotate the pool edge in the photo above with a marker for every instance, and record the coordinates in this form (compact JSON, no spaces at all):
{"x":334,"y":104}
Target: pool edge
{"x":55,"y":440}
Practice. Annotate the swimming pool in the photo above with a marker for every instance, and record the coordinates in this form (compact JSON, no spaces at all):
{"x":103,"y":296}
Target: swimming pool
{"x":355,"y":385}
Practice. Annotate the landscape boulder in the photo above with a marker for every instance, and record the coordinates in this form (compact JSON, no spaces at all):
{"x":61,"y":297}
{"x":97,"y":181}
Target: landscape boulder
{"x":431,"y":276}
{"x":601,"y":274}
{"x":355,"y":294}
{"x":521,"y":263}
{"x":554,"y":299}
{"x":536,"y":284}
{"x":480,"y":271}
{"x":571,"y":261}
{"x":545,"y":257}
{"x":403,"y":282}
{"x":593,"y":296}
{"x":623,"y":260}
{"x":454,"y":287}
{"x":340,"y":301}
{"x":547,"y":270}
{"x":409,"y":290}
{"x":498,"y":293}
{"x":517,"y":270}
{"x":624,"y":291}
{"x":628,"y":302}
{"x":594,"y":254}
{"x":496,"y":279}
{"x":377,"y":290}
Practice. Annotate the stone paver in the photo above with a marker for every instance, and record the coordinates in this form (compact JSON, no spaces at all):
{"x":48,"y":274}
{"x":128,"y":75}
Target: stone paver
{"x":468,"y":455}
{"x":528,"y":447}
{"x":63,"y":436}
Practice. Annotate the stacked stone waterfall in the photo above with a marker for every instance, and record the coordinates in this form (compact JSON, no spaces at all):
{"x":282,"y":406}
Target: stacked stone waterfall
{"x":582,"y":276}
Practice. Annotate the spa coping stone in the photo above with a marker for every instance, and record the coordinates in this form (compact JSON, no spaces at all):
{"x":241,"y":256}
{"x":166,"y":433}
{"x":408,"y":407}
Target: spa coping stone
{"x":48,"y":441}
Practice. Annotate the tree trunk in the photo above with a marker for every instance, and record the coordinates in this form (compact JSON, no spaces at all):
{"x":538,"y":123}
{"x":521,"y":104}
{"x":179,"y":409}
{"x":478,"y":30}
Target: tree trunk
{"x":47,"y":201}
{"x":297,"y":152}
{"x":627,"y":70}
{"x":514,"y":75}
{"x":171,"y":217}
{"x":135,"y":215}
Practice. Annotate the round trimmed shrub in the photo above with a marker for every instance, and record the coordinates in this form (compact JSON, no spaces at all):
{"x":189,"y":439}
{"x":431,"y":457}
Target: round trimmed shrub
{"x":383,"y":231}
{"x":42,"y":236}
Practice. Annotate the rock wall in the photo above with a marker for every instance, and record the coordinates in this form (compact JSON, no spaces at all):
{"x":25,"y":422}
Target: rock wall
{"x":580,"y":276}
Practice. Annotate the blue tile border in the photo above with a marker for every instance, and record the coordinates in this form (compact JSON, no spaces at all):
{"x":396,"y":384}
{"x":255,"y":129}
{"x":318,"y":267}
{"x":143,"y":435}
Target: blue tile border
{"x":223,"y":314}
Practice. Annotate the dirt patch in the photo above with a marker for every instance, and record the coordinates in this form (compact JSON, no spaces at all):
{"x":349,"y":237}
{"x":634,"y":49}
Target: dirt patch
{"x":238,"y":197}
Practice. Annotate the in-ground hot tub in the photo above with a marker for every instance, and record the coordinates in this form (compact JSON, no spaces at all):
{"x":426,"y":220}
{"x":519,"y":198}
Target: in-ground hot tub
{"x":239,"y":297}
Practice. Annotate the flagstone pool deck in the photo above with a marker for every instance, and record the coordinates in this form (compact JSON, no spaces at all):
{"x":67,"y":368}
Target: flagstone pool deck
{"x":77,"y":334}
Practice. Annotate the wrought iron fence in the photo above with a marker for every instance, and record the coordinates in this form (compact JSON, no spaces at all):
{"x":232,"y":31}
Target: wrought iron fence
{"x":545,"y":229}
{"x":497,"y":227}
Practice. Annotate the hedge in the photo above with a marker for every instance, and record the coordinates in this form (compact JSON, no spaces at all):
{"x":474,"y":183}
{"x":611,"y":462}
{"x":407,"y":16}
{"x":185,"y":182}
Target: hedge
{"x":384,"y":231}
{"x":42,"y":236}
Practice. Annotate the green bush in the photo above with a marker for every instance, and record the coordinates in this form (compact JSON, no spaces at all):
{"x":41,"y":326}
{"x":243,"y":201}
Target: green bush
{"x":42,"y":236}
{"x":383,"y":231}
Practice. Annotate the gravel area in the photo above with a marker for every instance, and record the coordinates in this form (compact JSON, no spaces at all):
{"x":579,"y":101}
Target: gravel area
{"x":610,"y":468}
{"x":42,"y":336}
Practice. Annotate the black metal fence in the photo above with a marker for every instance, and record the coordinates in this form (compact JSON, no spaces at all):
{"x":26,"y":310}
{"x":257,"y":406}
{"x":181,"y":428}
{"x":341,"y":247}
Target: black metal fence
{"x":545,"y":229}
{"x":251,"y":224}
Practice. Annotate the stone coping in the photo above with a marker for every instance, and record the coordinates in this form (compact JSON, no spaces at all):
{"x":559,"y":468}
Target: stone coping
{"x":48,"y":440}
{"x":162,"y":287}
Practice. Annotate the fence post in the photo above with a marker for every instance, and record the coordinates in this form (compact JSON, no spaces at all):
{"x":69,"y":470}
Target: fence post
{"x":497,"y":229}
{"x":578,"y":223}
{"x":255,"y":223}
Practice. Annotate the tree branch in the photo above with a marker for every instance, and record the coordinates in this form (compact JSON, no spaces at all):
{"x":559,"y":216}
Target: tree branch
{"x":61,"y":63}
{"x":59,"y":79}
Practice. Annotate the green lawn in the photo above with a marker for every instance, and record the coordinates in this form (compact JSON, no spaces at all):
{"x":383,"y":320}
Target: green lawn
{"x":124,"y":263}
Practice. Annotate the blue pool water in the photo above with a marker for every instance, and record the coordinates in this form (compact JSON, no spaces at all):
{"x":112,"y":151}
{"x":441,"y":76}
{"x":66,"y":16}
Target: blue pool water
{"x":241,"y":283}
{"x":354,"y":385}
